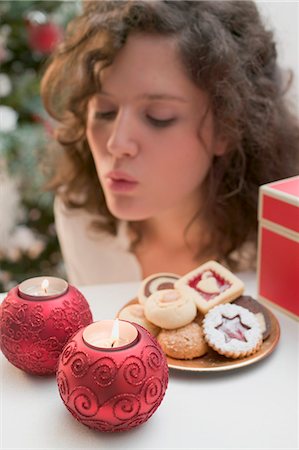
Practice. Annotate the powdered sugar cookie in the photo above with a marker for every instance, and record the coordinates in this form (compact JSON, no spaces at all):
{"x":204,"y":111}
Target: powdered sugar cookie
{"x":135,"y":313}
{"x":183,"y":343}
{"x":209,"y":285}
{"x":169,"y":309}
{"x":156,"y":282}
{"x":232,"y":331}
{"x":258,"y":310}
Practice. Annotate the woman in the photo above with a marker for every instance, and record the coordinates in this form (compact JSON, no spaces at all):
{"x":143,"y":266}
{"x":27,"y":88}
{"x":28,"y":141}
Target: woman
{"x":170,"y":116}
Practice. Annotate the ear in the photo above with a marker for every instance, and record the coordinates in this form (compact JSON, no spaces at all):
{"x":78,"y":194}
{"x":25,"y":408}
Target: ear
{"x":220,"y":145}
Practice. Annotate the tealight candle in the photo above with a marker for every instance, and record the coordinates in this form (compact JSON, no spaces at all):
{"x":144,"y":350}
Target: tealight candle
{"x":36,"y":320}
{"x":44,"y":287}
{"x":110,"y":334}
{"x":112,"y":375}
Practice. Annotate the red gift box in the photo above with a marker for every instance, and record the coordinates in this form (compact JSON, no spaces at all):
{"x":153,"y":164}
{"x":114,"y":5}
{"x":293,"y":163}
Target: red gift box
{"x":278,"y":245}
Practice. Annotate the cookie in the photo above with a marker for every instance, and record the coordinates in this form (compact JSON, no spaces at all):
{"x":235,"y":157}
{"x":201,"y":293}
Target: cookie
{"x":209,"y":285}
{"x":183,"y":343}
{"x":232,"y":331}
{"x":259,"y":310}
{"x":169,"y":309}
{"x":135,"y":313}
{"x":156,"y":282}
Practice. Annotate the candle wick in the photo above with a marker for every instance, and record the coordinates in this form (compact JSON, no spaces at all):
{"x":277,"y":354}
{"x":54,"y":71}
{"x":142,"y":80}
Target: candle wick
{"x":114,"y":342}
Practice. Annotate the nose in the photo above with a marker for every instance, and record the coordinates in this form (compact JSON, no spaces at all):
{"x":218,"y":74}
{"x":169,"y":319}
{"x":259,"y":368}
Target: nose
{"x":122,"y":140}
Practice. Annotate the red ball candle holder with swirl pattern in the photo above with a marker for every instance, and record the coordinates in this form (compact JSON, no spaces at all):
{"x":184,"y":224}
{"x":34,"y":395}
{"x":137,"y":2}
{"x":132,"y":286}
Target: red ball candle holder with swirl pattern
{"x":112,"y":388}
{"x":37,"y":318}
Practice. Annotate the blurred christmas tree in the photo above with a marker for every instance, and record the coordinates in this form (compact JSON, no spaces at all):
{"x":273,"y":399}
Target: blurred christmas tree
{"x":29,"y":31}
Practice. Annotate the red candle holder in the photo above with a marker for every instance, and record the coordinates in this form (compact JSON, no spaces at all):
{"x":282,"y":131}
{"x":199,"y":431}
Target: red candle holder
{"x":112,"y":389}
{"x":34,"y":329}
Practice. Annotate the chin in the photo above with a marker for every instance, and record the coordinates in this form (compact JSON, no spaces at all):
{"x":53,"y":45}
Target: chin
{"x":129,"y":216}
{"x":128,"y":213}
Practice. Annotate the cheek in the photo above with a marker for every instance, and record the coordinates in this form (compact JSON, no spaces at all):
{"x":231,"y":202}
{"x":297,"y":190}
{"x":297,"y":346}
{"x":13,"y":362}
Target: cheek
{"x":96,"y":143}
{"x":184,"y":165}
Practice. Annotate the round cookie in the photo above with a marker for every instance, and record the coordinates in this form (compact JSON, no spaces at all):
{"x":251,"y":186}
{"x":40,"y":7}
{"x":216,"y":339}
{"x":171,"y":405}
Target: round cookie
{"x":232,"y":331}
{"x":169,"y":309}
{"x":156,"y":282}
{"x":259,"y":310}
{"x":135,"y":313}
{"x":183,"y":343}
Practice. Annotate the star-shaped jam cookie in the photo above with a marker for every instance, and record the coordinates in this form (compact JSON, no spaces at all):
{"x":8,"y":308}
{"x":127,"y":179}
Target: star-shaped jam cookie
{"x":233,"y":328}
{"x":232,"y":331}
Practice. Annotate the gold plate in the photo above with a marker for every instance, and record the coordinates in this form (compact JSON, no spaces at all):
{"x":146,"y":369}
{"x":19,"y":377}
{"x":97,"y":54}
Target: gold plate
{"x":213,"y":362}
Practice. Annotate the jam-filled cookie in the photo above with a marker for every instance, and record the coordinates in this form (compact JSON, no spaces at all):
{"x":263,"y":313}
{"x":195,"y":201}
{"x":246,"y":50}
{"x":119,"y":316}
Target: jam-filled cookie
{"x":156,"y":282}
{"x":183,"y":343}
{"x":169,"y":309}
{"x":232,"y":331}
{"x":209,"y":285}
{"x":135,"y":313}
{"x":258,"y":310}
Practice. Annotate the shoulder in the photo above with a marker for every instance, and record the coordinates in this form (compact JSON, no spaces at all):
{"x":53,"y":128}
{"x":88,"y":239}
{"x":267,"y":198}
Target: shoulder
{"x":92,"y":255}
{"x":62,"y":210}
{"x":69,"y":219}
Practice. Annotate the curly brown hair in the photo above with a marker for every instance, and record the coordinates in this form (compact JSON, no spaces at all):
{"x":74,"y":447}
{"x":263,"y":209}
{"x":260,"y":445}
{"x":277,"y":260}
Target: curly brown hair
{"x":228,"y":53}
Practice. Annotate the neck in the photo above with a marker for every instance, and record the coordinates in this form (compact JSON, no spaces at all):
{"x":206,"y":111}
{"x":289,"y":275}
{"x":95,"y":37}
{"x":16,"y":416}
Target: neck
{"x":174,"y":230}
{"x":167,"y":244}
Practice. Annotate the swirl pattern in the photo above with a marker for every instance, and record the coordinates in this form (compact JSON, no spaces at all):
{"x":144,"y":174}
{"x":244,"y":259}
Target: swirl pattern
{"x":117,"y":390}
{"x":154,"y":357}
{"x":19,"y":316}
{"x":68,"y":351}
{"x":63,"y":385}
{"x":84,"y":401}
{"x":79,"y":364}
{"x":104,"y":372}
{"x":36,"y":318}
{"x":73,"y":317}
{"x":9,"y":346}
{"x":126,"y":406}
{"x":134,"y":370}
{"x":152,"y":390}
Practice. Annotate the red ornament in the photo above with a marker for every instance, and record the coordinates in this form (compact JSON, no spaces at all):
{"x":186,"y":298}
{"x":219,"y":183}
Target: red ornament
{"x":113,"y":389}
{"x":33,"y":332}
{"x":44,"y":37}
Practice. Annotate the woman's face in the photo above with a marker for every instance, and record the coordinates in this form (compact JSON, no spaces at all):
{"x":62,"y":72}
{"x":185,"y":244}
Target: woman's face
{"x":149,"y":132}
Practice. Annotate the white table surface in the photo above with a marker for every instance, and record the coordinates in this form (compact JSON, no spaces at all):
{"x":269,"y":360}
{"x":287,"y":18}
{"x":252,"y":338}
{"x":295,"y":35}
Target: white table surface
{"x":254,"y":407}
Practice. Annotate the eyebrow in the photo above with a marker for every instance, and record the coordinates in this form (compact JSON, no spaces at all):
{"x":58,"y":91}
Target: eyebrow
{"x":156,"y":96}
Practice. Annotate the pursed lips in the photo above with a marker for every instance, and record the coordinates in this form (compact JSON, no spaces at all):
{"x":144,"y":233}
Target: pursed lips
{"x":120,"y":181}
{"x":120,"y":176}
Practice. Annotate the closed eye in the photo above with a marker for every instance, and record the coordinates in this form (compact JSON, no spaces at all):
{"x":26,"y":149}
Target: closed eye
{"x":108,"y":115}
{"x":159,"y":123}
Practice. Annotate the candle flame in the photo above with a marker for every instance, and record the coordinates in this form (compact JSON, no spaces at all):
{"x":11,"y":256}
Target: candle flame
{"x":45,"y":285}
{"x":115,"y":332}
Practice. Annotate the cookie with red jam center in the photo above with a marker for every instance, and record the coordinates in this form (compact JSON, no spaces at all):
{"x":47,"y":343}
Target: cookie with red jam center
{"x":258,"y":310}
{"x":209,"y":285}
{"x":232,"y":331}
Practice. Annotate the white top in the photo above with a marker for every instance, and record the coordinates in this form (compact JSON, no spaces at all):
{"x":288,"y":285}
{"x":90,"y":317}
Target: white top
{"x":93,"y":257}
{"x":254,"y":407}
